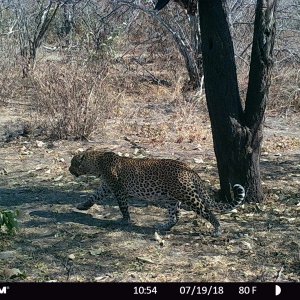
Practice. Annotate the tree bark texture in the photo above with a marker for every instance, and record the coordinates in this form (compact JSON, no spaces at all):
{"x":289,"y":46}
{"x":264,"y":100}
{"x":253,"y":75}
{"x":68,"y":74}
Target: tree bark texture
{"x":237,"y":132}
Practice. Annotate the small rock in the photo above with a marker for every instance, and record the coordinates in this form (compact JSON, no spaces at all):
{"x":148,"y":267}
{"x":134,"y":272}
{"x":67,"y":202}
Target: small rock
{"x":95,"y":252}
{"x":247,"y":245}
{"x":40,"y":144}
{"x":198,"y":160}
{"x":71,"y":256}
{"x":12,"y":273}
{"x":7,"y":254}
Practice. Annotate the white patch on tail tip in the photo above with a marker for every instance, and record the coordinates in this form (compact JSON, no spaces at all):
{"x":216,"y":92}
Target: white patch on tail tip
{"x":241,"y":190}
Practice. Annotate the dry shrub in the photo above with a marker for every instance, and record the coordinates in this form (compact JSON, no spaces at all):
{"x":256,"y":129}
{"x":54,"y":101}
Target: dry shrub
{"x":285,"y":92}
{"x":73,"y":100}
{"x":12,"y":85}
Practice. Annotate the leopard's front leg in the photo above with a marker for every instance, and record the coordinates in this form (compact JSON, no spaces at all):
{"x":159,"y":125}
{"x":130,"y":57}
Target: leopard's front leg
{"x":122,"y":196}
{"x":102,"y":192}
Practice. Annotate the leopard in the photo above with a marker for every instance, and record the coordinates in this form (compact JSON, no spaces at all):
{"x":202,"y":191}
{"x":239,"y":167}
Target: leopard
{"x":169,"y":181}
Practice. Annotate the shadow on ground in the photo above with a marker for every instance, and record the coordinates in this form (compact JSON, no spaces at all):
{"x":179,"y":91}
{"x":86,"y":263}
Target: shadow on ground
{"x":281,"y":167}
{"x":51,"y":217}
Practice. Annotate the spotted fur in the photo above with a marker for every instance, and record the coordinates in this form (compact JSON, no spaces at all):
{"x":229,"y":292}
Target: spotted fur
{"x":166,"y":180}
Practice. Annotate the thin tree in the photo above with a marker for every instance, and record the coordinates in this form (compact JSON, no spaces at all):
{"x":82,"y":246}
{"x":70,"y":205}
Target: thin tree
{"x":32,"y":28}
{"x":237,"y":131}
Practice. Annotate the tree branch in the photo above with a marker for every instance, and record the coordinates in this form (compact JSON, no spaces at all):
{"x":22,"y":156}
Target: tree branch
{"x":182,"y":42}
{"x":261,"y":63}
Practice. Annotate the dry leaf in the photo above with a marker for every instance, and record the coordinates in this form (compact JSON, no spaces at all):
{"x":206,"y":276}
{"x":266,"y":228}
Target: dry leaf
{"x":58,"y":178}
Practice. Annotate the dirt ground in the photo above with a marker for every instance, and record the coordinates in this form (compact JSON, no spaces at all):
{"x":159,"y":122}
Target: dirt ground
{"x":56,"y":242}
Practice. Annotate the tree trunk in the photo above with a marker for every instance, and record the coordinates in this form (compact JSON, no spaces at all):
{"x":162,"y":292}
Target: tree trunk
{"x":237,"y":134}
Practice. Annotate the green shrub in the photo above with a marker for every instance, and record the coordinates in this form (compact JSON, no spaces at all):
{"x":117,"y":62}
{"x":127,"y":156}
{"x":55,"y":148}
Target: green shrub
{"x":8,"y":219}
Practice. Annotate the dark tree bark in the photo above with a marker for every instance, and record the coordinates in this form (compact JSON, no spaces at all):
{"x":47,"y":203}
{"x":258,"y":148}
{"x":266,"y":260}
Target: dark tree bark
{"x":237,"y":133}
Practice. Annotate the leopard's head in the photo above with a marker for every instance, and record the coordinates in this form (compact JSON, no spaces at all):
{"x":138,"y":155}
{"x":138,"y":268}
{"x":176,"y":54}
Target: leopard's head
{"x":90,"y":162}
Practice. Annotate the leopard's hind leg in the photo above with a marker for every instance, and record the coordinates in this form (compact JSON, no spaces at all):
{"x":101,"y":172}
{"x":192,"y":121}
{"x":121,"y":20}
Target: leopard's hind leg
{"x":193,"y":201}
{"x":202,"y":210}
{"x":173,"y":215}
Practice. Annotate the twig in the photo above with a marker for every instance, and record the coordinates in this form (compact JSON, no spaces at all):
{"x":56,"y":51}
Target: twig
{"x":134,"y":144}
{"x":153,"y":78}
{"x":278,"y":278}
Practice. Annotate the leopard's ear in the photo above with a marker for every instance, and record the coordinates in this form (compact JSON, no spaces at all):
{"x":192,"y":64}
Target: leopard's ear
{"x":81,"y":156}
{"x":105,"y":149}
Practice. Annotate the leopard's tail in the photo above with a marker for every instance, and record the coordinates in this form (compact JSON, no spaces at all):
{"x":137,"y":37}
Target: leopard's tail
{"x":238,"y":194}
{"x":238,"y":198}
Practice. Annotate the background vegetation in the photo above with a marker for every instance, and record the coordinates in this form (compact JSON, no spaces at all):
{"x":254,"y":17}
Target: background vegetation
{"x":68,"y":58}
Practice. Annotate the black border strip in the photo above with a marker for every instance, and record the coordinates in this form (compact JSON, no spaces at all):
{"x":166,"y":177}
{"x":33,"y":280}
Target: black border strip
{"x":179,"y":289}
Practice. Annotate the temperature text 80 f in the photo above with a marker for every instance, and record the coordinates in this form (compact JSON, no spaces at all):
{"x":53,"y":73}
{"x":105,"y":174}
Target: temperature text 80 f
{"x":246,"y":290}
